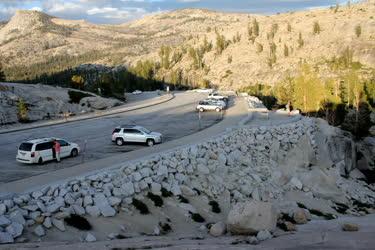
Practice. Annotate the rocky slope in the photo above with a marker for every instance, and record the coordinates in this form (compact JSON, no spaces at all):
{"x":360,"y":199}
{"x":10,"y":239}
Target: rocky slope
{"x":45,"y":102}
{"x":248,"y":181}
{"x":31,"y":37}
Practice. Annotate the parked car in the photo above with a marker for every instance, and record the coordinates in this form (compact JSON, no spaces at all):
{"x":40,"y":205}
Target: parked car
{"x":222,"y":103}
{"x":135,"y":134}
{"x":209,"y":106}
{"x":40,"y":150}
{"x":216,"y":95}
{"x":137,"y":92}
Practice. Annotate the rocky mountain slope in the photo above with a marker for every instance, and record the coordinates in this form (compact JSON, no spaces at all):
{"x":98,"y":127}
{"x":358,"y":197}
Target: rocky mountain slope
{"x":283,"y":41}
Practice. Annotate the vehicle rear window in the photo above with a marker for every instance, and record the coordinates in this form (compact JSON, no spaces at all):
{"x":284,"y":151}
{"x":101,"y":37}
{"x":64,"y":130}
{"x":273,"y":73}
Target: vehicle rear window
{"x":26,"y":146}
{"x":116,"y":130}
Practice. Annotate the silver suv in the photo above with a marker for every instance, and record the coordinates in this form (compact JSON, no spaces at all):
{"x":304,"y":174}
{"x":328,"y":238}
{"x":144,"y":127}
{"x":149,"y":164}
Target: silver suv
{"x":135,"y":134}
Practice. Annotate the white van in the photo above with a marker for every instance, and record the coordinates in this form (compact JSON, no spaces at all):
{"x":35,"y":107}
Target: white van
{"x":40,"y":150}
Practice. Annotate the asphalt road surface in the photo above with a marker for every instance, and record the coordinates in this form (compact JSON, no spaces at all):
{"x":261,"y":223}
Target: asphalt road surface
{"x":174,"y":119}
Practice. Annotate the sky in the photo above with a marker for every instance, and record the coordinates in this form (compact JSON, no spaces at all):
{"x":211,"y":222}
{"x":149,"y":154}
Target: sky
{"x":120,"y":11}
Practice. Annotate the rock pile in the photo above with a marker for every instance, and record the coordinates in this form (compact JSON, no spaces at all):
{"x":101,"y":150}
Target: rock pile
{"x":262,"y":164}
{"x":255,"y":103}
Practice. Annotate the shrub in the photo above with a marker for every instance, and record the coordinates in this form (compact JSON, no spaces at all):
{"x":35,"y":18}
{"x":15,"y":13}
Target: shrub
{"x":259,"y":48}
{"x":182,"y":199}
{"x":215,"y":207}
{"x":230,"y":59}
{"x":197,"y":217}
{"x":78,"y":222}
{"x":140,"y":206}
{"x":22,"y":111}
{"x":158,"y":201}
{"x":165,"y":193}
{"x":76,"y":96}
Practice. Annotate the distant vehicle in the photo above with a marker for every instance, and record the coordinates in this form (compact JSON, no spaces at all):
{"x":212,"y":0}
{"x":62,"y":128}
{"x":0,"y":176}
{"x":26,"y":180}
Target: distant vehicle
{"x":137,"y":92}
{"x":220,"y":102}
{"x":203,"y":90}
{"x":40,"y":150}
{"x":135,"y":134}
{"x":216,"y":95}
{"x":209,"y":106}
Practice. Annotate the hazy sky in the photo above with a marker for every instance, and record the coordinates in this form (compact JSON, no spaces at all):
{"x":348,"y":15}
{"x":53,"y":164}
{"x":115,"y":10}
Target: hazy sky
{"x":119,"y":11}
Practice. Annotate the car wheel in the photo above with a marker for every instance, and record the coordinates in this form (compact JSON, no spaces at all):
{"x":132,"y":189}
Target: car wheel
{"x":201,"y":110}
{"x":74,"y":152}
{"x":218,"y":109}
{"x":119,"y":141}
{"x":40,"y":161}
{"x":150,"y":142}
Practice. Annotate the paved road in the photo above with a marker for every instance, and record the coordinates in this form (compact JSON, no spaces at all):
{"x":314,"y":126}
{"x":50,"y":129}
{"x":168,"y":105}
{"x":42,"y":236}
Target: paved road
{"x":174,"y":119}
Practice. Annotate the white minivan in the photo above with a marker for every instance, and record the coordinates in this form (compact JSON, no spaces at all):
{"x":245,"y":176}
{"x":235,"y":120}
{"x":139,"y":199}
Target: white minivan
{"x":40,"y":150}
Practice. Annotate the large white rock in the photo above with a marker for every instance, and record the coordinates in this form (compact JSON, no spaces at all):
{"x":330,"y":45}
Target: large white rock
{"x":90,"y":238}
{"x":102,"y":203}
{"x":127,"y":189}
{"x":4,"y":221}
{"x":251,"y":217}
{"x":155,"y":188}
{"x":15,"y":229}
{"x":16,"y":216}
{"x":264,"y":235}
{"x":93,"y":211}
{"x":3,"y":209}
{"x":47,"y":223}
{"x":39,"y":231}
{"x":59,"y":224}
{"x":218,"y":229}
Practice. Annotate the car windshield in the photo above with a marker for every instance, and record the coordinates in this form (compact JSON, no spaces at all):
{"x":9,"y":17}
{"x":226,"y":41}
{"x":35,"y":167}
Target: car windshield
{"x":145,"y":130}
{"x":26,"y":146}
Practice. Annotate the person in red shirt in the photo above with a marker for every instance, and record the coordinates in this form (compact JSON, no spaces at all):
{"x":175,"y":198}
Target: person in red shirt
{"x":57,"y":148}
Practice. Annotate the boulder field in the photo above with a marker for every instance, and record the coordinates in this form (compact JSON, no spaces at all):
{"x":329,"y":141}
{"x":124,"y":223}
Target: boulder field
{"x":249,"y":181}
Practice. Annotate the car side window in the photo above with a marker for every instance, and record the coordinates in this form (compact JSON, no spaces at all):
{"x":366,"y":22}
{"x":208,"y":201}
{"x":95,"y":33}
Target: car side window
{"x":63,"y":143}
{"x":136,"y":131}
{"x":43,"y":146}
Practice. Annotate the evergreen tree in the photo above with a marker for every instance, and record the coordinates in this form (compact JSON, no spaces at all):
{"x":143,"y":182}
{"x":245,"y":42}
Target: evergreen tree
{"x":308,"y":90}
{"x":286,"y":50}
{"x":255,"y":27}
{"x":164,"y":53}
{"x":316,"y":28}
{"x":289,"y":27}
{"x":300,"y":41}
{"x":358,"y":30}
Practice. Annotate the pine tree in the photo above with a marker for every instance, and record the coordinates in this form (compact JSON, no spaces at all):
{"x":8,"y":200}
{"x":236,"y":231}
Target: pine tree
{"x":255,"y":27}
{"x":316,"y":28}
{"x":286,"y":50}
{"x":289,"y":27}
{"x":300,"y":41}
{"x":358,"y":30}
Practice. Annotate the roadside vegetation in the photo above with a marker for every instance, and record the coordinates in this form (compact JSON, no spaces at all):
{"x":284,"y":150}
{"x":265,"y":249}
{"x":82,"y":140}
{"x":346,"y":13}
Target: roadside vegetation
{"x":346,"y":100}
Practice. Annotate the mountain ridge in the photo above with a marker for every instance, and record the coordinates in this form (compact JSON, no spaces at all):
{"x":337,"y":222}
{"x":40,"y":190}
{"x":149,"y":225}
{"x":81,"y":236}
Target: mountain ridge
{"x":245,"y":60}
